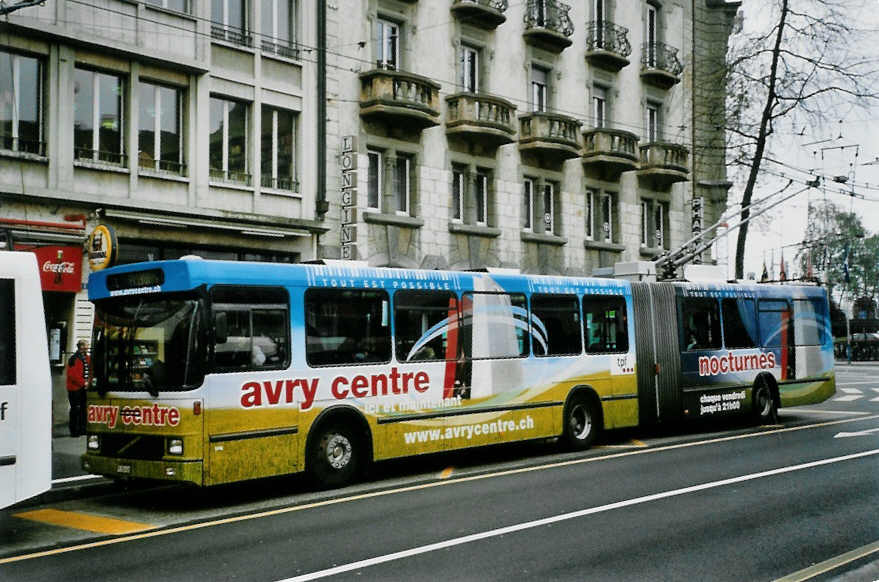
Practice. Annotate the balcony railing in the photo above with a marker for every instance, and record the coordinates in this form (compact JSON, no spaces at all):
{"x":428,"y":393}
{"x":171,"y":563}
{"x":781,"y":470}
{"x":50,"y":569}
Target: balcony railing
{"x":100,"y":156}
{"x":288,"y":184}
{"x":487,"y":14}
{"x":481,"y":116}
{"x":607,"y":44}
{"x":231,"y":35}
{"x":165,"y":166}
{"x":610,"y":151}
{"x":283,"y":49}
{"x":230,"y":176}
{"x":16,"y":144}
{"x":550,"y":133}
{"x":399,"y":97}
{"x":665,"y":163}
{"x":660,"y":64}
{"x":548,"y":25}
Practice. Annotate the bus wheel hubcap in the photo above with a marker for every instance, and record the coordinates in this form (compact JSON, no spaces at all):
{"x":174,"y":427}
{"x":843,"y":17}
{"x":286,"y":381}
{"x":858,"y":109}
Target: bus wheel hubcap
{"x":338,"y":451}
{"x":581,"y":424}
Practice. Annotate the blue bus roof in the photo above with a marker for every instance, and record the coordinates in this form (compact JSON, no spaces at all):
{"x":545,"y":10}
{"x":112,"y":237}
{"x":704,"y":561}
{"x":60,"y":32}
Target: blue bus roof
{"x":190,"y":274}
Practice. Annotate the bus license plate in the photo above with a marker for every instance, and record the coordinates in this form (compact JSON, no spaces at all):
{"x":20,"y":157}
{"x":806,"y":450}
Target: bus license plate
{"x":123,"y":469}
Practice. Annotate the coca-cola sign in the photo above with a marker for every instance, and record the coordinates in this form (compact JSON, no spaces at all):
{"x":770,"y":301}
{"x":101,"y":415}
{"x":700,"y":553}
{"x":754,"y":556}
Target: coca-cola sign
{"x":60,"y":268}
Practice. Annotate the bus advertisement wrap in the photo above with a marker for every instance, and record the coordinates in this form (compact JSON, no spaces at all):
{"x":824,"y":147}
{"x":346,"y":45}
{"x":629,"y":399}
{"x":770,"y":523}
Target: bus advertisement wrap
{"x":220,"y":371}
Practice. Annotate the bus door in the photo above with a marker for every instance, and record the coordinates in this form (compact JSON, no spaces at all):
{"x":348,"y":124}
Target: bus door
{"x":777,"y":334}
{"x":252,"y":403}
{"x":25,"y":382}
{"x":658,"y":356}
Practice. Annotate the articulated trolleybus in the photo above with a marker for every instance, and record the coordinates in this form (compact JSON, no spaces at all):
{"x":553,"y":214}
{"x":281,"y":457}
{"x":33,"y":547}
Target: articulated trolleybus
{"x":210,"y":372}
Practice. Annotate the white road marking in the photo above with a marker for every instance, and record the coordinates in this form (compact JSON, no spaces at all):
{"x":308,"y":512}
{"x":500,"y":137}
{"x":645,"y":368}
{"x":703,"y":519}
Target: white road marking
{"x":840,"y":385}
{"x":831,"y":564}
{"x":814,"y":411}
{"x":564,"y":517}
{"x":77,"y":478}
{"x":867,"y":432}
{"x":850,"y":394}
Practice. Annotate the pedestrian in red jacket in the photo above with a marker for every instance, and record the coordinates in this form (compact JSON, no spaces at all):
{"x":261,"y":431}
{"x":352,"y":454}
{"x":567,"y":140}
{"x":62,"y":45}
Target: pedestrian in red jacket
{"x":78,"y":374}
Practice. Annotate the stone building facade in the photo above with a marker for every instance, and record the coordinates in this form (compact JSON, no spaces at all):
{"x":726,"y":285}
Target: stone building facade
{"x":538,"y":135}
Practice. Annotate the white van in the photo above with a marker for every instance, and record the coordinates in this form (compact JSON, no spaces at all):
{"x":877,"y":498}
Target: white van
{"x":25,"y":382}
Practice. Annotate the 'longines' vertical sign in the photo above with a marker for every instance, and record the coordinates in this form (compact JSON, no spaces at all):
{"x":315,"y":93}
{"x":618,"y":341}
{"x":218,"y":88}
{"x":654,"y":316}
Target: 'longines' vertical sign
{"x":348,"y":235}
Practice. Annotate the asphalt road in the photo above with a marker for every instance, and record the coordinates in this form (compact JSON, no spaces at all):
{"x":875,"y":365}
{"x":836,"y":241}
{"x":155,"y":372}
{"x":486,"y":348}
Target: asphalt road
{"x":797,"y":499}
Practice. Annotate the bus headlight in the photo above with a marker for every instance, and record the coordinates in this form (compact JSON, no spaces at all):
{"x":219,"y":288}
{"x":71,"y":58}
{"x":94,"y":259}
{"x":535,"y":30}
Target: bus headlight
{"x":94,"y":442}
{"x":175,"y":446}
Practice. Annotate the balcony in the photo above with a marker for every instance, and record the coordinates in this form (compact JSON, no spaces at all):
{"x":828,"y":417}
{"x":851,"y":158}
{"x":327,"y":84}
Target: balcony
{"x":487,"y":14}
{"x":660,"y":65}
{"x":607,"y":45}
{"x":548,"y":26}
{"x":549,"y":134}
{"x":663,"y":163}
{"x":609,"y":152}
{"x":481,"y":117}
{"x":400,"y":98}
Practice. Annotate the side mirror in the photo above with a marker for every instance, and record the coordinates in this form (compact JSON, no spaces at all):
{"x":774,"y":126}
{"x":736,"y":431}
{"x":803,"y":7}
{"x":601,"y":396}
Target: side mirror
{"x":221,"y":328}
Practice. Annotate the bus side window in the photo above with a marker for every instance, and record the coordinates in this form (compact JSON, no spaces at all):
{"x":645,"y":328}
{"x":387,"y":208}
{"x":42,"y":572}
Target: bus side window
{"x":701,"y":324}
{"x":493,"y":325}
{"x":555,"y":325}
{"x":808,"y":322}
{"x":423,"y":322}
{"x":257,"y":328}
{"x":605,"y":324}
{"x":739,"y":323}
{"x":347,"y":326}
{"x":7,"y":332}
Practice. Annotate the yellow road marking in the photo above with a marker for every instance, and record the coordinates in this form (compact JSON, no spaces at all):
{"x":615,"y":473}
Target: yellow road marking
{"x":831,"y":564}
{"x":638,"y":443}
{"x":447,"y":472}
{"x":409,"y":488}
{"x":93,"y":523}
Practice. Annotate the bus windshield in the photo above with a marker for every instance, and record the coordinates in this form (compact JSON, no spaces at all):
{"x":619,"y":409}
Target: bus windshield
{"x":148,"y":343}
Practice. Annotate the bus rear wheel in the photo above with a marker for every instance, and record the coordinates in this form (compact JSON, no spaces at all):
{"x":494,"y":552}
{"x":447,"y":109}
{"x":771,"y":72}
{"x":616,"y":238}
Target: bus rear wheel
{"x":335,"y":456}
{"x":582,"y":423}
{"x":765,"y":410}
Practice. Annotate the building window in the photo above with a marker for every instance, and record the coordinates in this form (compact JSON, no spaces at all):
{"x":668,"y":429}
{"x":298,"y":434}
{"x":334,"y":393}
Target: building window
{"x":21,"y":124}
{"x":160,"y":139}
{"x":528,"y":204}
{"x":97,"y":125}
{"x":374,"y":180}
{"x":590,"y":214}
{"x":653,"y":122}
{"x":599,"y":106}
{"x":539,"y":81}
{"x":403,"y":184}
{"x":177,"y":5}
{"x":645,"y":223}
{"x":228,"y":141}
{"x":459,"y":186}
{"x":229,"y":21}
{"x":387,"y":44}
{"x":279,"y":27}
{"x":608,"y":202}
{"x":651,"y":34}
{"x":660,"y":215}
{"x":278,"y":149}
{"x":481,"y":198}
{"x":549,"y":194}
{"x":469,"y":69}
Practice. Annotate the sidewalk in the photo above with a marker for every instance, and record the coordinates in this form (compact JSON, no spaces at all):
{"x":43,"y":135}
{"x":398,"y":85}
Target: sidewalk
{"x":66,"y":451}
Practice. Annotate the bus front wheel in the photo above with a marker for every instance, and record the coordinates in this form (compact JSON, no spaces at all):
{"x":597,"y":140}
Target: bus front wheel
{"x":335,"y":456}
{"x":765,"y":410}
{"x":582,"y":423}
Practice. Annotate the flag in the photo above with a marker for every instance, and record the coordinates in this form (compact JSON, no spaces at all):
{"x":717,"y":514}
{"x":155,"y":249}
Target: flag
{"x":810,"y":271}
{"x":765,"y":276}
{"x":845,"y":274}
{"x":782,"y":274}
